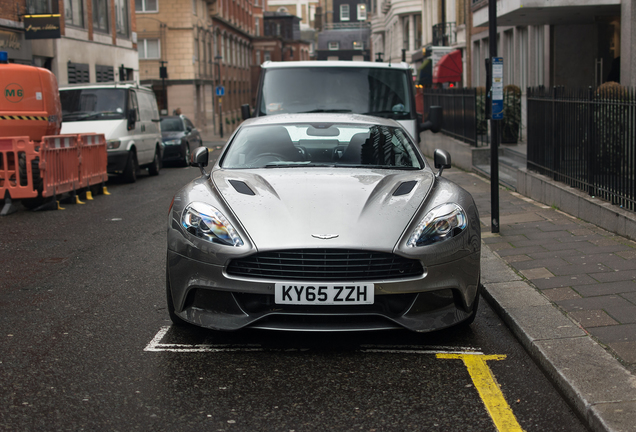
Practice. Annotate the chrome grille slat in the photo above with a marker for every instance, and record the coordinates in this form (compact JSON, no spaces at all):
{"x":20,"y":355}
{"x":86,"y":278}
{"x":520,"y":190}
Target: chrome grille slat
{"x":325,"y":265}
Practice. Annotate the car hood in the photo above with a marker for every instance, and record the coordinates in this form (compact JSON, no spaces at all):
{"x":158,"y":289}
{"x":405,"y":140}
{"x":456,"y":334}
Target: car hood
{"x":172,"y":135}
{"x":323,"y":208}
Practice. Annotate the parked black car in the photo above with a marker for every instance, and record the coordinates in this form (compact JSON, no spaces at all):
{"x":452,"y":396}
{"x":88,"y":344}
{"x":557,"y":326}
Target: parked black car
{"x":180,"y":137}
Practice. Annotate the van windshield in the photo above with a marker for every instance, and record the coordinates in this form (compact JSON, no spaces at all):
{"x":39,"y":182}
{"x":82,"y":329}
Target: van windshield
{"x":374,"y":91}
{"x":93,"y":104}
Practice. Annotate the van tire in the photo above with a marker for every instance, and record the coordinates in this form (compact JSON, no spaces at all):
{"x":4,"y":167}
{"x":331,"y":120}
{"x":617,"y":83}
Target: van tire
{"x":155,"y":166}
{"x":130,"y":172}
{"x":38,"y":183}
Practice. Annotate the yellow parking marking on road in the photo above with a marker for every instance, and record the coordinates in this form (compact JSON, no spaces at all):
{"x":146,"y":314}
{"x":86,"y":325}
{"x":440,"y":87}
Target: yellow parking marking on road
{"x":488,"y":389}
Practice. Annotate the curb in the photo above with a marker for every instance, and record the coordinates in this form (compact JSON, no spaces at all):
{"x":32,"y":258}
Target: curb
{"x":599,"y":389}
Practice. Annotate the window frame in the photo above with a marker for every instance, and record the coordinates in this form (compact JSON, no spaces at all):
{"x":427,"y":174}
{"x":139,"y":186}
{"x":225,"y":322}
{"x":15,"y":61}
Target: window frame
{"x":144,"y":8}
{"x":144,"y":43}
{"x":345,"y":12}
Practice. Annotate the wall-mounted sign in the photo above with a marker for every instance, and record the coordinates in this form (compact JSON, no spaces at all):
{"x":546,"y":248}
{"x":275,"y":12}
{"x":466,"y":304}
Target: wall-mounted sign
{"x":42,"y":26}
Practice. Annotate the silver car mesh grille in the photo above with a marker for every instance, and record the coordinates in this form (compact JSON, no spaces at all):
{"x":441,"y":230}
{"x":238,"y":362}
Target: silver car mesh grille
{"x":325,"y":265}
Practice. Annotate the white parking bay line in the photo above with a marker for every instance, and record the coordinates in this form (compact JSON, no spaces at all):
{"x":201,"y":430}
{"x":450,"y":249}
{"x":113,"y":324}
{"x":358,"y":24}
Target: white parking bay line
{"x":155,"y":345}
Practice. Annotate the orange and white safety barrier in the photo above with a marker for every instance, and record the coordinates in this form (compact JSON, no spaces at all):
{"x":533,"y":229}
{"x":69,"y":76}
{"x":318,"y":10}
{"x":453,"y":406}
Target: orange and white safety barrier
{"x":12,"y":149}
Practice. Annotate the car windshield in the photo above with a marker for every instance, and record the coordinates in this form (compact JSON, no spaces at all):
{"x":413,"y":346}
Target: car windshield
{"x":171,"y":124}
{"x":93,"y":104}
{"x":321,"y":144}
{"x":374,"y":91}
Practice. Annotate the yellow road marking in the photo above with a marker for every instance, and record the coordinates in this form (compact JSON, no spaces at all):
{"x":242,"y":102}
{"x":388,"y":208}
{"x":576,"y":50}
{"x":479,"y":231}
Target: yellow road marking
{"x":488,"y":389}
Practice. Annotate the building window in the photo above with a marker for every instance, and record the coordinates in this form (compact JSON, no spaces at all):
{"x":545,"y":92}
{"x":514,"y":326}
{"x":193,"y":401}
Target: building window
{"x":149,"y":49}
{"x":121,"y":17}
{"x":268,"y":56}
{"x":362,"y":12}
{"x":418,"y":31}
{"x":258,"y":57}
{"x":194,"y":7}
{"x":100,"y":15}
{"x":358,"y":45}
{"x":104,"y":73}
{"x":334,"y":46}
{"x":406,"y":32}
{"x":257,"y":26}
{"x":539,"y":40}
{"x":77,"y":73}
{"x":36,"y":7}
{"x":146,"y":6}
{"x":74,"y":13}
{"x":344,"y":12}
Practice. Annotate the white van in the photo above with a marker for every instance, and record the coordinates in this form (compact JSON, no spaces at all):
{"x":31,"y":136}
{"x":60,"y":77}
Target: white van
{"x":126,"y":114}
{"x":372,"y":88}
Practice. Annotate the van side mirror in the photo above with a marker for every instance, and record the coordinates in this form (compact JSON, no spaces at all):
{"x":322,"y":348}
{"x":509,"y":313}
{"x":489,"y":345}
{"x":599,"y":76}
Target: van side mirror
{"x":434,"y":122}
{"x":441,"y":159}
{"x":246,"y":111}
{"x":199,"y":158}
{"x":132,"y":118}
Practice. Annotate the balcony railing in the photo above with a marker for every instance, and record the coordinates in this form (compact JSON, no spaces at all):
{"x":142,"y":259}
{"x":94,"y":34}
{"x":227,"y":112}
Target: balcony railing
{"x":444,"y":34}
{"x":347,"y":25}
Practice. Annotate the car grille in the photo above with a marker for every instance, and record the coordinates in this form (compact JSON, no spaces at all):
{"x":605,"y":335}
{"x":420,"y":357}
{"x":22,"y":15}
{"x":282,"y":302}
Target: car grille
{"x":325,"y":265}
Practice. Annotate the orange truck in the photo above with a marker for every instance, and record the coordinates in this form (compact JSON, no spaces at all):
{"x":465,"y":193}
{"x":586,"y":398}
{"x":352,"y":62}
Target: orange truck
{"x":37,"y":164}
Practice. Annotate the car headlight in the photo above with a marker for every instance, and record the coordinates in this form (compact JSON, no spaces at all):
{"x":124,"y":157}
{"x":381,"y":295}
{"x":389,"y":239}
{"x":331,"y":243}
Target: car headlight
{"x":172,"y":142}
{"x":206,"y":222}
{"x":441,"y":223}
{"x":113,"y":144}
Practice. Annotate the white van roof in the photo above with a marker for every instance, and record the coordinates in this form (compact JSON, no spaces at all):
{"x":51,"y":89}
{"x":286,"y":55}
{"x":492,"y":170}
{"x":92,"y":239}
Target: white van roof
{"x":334,"y":63}
{"x":115,"y":84}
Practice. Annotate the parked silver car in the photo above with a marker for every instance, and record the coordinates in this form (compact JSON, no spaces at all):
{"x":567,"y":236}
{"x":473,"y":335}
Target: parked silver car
{"x":322,"y":222}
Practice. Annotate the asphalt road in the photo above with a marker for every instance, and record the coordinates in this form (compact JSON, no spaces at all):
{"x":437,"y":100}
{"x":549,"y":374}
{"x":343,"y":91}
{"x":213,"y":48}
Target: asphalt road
{"x":86,"y":344}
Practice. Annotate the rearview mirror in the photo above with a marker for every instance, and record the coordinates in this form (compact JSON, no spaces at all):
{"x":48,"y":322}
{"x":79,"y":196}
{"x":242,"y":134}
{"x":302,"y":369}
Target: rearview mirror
{"x":434,"y":122}
{"x":441,"y":159}
{"x":199,"y":158}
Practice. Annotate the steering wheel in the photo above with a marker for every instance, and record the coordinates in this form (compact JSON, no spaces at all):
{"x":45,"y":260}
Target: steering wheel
{"x":271,"y":156}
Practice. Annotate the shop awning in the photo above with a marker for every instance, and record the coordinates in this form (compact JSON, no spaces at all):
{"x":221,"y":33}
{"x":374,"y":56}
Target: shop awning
{"x":448,"y":68}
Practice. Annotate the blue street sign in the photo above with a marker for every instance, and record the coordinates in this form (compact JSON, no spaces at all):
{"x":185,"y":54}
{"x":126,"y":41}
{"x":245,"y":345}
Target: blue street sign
{"x":220,"y":91}
{"x":497,"y":88}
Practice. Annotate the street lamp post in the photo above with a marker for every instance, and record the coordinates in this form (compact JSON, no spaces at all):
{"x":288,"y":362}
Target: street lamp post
{"x":218,"y":84}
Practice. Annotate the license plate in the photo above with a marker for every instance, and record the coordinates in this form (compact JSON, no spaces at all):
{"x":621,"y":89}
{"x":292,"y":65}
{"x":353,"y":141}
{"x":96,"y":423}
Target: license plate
{"x":323,"y":294}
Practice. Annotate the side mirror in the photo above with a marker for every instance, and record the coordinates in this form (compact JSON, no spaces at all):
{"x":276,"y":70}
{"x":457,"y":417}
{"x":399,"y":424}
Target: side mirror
{"x":441,"y":159}
{"x":132,"y":118}
{"x":246,"y":111}
{"x":199,"y":158}
{"x":434,"y":122}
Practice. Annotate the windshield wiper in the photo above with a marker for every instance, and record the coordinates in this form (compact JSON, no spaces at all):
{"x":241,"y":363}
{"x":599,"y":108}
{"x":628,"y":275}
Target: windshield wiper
{"x":297,"y":165}
{"x":79,"y":117}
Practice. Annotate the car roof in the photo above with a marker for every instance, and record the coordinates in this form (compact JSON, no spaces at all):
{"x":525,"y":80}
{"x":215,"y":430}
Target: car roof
{"x":333,"y":63}
{"x":283,"y":119}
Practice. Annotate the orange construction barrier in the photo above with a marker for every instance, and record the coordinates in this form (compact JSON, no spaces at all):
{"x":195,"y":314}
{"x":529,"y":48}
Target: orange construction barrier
{"x":93,"y":160}
{"x":16,"y":177}
{"x":59,"y":164}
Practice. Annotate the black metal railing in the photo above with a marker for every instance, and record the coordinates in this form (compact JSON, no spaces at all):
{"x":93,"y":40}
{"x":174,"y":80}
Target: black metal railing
{"x":444,"y":34}
{"x":586,"y":139}
{"x":464,"y":116}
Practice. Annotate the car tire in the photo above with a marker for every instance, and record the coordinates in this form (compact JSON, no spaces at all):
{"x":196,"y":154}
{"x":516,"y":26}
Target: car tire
{"x":130,"y":171}
{"x":186,"y":155}
{"x":155,"y":166}
{"x":173,"y":316}
{"x":471,"y":318}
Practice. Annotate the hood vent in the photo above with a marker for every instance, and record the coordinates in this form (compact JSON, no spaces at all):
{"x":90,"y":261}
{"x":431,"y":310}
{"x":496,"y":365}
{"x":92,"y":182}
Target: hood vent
{"x":405,"y":188}
{"x":241,"y":187}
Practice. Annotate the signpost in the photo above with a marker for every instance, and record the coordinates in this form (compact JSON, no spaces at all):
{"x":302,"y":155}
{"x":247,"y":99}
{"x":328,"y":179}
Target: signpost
{"x":496,"y":113}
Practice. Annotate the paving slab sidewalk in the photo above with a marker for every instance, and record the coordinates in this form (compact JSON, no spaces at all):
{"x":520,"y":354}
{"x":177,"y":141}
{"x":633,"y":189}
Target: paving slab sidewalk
{"x":567,"y":289}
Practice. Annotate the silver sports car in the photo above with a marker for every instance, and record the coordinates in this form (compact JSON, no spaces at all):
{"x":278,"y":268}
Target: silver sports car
{"x":322,"y":222}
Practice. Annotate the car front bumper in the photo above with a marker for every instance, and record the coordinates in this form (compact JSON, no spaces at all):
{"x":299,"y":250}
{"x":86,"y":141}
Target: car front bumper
{"x":205,"y":295}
